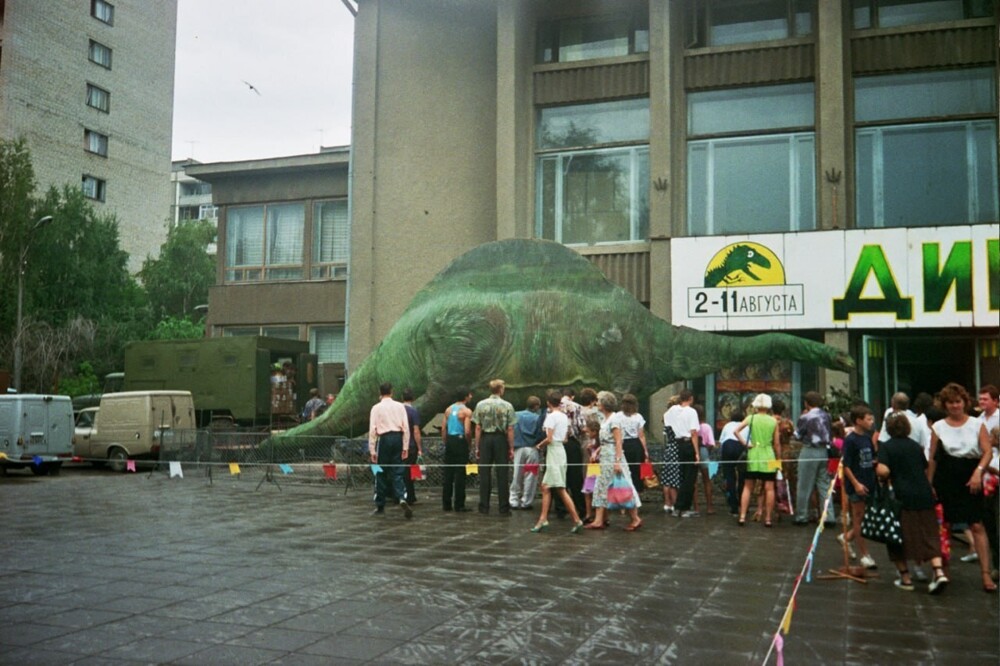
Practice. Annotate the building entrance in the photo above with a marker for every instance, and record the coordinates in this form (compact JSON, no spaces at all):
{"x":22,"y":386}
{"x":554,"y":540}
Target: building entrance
{"x":915,"y":364}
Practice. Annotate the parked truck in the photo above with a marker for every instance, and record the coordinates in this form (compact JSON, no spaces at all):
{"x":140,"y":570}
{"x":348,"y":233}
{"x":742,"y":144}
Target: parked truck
{"x":133,"y":425}
{"x":35,"y":431}
{"x":252,"y":380}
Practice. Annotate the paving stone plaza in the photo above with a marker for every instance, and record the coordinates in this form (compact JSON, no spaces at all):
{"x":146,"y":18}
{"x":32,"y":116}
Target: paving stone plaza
{"x":99,"y":568}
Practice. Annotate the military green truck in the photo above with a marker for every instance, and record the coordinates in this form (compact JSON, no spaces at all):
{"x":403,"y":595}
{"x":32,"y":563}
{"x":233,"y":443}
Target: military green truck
{"x":252,"y":380}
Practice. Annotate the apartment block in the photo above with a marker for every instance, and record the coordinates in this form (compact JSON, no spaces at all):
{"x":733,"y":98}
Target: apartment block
{"x":89,"y":85}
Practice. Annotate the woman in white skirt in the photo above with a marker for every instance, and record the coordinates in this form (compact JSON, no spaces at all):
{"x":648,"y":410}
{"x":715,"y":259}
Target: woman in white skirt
{"x":556,"y":427}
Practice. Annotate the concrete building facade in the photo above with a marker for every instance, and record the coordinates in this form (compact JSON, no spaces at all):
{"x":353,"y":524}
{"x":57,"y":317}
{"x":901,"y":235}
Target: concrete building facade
{"x":192,"y":198}
{"x":645,"y":133}
{"x":283,"y":249}
{"x":89,"y":84}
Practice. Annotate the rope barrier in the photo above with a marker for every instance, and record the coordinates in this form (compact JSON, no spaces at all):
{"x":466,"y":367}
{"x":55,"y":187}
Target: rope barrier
{"x":777,"y":642}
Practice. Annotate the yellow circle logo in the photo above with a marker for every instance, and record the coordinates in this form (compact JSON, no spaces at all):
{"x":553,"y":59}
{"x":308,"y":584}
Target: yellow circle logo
{"x":744,"y":264}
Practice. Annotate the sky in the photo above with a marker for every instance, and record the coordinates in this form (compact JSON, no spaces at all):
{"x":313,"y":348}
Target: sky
{"x":299,"y":59}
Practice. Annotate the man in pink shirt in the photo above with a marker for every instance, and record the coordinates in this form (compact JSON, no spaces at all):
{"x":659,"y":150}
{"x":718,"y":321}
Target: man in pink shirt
{"x":389,"y":444}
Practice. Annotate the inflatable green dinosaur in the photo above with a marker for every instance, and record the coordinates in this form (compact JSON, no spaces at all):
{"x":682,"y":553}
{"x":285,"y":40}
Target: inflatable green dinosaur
{"x":539,"y":316}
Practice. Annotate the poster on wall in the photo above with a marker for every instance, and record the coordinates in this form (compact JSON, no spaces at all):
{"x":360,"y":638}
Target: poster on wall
{"x":930,"y":277}
{"x":737,"y":386}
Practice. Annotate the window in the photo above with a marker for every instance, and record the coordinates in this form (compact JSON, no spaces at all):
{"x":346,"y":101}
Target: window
{"x":103,"y":11}
{"x":100,"y":54}
{"x":573,"y":39}
{"x":751,"y":160}
{"x":208,"y":212}
{"x":191,"y":189}
{"x":93,"y":188}
{"x":915,"y":165}
{"x":593,"y":172}
{"x":331,"y":237}
{"x":98,"y":98}
{"x":725,"y":22}
{"x":895,"y":13}
{"x":265,"y":242}
{"x":282,"y":332}
{"x":328,"y":343}
{"x":95,"y":142}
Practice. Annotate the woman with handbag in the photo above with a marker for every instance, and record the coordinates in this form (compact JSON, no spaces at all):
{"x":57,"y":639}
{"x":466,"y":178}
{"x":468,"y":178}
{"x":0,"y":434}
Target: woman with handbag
{"x":633,"y":427}
{"x":763,"y":455}
{"x":613,"y":469}
{"x":960,"y":454}
{"x":903,"y":463}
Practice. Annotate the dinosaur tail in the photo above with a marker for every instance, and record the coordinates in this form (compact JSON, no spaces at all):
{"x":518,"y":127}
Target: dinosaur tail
{"x":709,"y":352}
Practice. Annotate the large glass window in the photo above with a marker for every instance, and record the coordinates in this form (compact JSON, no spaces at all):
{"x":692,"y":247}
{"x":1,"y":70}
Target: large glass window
{"x":914,"y":165}
{"x":265,"y":243}
{"x":331,"y":236}
{"x":896,"y":13}
{"x":328,"y":343}
{"x":751,"y":160}
{"x":585,"y":38}
{"x":593,"y":172}
{"x":725,"y":22}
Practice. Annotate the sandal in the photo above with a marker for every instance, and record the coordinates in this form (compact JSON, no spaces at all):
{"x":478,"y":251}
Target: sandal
{"x":633,"y":527}
{"x":988,"y":585}
{"x":767,"y":523}
{"x":742,"y":522}
{"x":594,"y":526}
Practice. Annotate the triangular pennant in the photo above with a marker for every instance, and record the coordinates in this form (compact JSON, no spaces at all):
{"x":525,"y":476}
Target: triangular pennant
{"x":779,"y":648}
{"x":416,"y":473}
{"x":593,"y":469}
{"x":330,"y":471}
{"x":786,"y":622}
{"x":129,"y":465}
{"x":376,"y":469}
{"x":473,"y":468}
{"x":531,"y":468}
{"x":175,"y":469}
{"x":285,"y":468}
{"x":234,"y":468}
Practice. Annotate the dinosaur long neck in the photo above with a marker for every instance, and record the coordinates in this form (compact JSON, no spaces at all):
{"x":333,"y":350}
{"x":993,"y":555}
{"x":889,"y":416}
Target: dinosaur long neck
{"x":684,"y":353}
{"x":348,"y":415}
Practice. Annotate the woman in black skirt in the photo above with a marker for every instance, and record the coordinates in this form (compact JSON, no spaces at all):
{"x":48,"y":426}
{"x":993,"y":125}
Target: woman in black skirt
{"x":960,"y":453}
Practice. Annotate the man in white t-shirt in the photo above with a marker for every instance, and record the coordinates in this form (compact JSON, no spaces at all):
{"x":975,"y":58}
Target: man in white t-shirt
{"x":989,"y":407}
{"x":919,"y":432}
{"x":683,"y":420}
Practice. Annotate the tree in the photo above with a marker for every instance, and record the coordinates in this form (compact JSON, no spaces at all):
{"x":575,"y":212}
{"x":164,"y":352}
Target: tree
{"x":176,"y":328}
{"x":179,"y":279}
{"x":17,"y":214}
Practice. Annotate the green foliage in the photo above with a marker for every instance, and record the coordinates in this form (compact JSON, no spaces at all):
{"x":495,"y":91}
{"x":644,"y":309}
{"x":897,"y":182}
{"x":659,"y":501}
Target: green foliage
{"x":177,"y":328}
{"x":83,"y":382}
{"x":179,"y":279}
{"x":840,"y":401}
{"x":17,"y":215}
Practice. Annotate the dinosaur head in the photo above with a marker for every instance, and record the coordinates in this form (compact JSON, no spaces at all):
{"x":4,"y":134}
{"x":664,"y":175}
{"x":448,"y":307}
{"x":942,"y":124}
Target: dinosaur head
{"x":743,"y":258}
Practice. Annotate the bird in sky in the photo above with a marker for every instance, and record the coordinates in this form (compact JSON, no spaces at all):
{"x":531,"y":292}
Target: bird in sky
{"x":251,"y":87}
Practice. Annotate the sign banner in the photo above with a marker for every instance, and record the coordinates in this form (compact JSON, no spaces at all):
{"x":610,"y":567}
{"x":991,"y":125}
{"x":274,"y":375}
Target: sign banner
{"x":928,"y":277}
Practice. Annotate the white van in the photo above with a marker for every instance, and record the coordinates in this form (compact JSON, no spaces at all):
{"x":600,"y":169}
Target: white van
{"x":35,"y":431}
{"x":132,"y":425}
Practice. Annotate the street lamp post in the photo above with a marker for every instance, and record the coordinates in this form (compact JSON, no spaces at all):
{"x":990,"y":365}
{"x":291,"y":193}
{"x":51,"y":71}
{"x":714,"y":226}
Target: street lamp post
{"x":22,"y":259}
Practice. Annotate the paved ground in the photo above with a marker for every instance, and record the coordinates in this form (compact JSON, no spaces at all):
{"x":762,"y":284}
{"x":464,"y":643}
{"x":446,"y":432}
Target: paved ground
{"x":97,"y":568}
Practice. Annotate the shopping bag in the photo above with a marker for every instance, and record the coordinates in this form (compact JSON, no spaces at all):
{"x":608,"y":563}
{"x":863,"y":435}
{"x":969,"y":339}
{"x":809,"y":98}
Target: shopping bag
{"x":880,"y":521}
{"x":646,"y":470}
{"x":621,"y":494}
{"x":589,"y":483}
{"x":783,"y":494}
{"x":944,"y":533}
{"x":651,"y":482}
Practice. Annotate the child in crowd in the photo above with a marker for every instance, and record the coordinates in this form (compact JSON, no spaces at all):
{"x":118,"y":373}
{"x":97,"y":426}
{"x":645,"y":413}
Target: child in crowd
{"x":859,"y":479}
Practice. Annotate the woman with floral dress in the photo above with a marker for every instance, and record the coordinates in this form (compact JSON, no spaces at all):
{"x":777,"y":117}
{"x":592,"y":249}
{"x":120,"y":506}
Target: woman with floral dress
{"x":612,"y":461}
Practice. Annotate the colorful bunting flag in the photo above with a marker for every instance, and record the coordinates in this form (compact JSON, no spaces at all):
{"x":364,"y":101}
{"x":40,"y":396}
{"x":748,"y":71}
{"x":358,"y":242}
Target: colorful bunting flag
{"x":593,"y":469}
{"x":416,"y":474}
{"x":175,"y":469}
{"x":786,"y":622}
{"x":376,"y":469}
{"x":330,"y":471}
{"x":234,"y":468}
{"x":779,"y":647}
{"x":713,"y":468}
{"x":285,"y":468}
{"x":472,"y":468}
{"x":130,"y":465}
{"x":531,"y":468}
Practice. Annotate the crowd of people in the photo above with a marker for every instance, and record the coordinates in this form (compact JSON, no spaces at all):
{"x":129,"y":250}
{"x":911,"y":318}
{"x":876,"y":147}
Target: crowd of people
{"x":591,"y":458}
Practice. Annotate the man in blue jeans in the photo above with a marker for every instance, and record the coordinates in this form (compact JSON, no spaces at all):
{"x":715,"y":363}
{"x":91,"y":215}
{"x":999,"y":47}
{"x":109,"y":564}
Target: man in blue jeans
{"x":814,"y":431}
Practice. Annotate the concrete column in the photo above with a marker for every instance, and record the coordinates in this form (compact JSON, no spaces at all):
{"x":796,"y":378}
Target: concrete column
{"x":832,"y":127}
{"x":515,"y":26}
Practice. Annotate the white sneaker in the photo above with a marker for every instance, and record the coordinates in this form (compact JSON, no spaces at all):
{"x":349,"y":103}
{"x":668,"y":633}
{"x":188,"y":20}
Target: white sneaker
{"x":971,"y":557}
{"x":938,"y":584}
{"x":907,"y":587}
{"x":868,"y":562}
{"x":689,"y":514}
{"x":668,"y":509}
{"x":850,"y":546}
